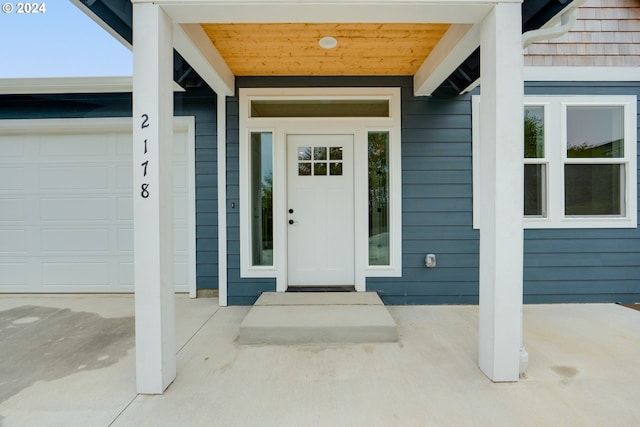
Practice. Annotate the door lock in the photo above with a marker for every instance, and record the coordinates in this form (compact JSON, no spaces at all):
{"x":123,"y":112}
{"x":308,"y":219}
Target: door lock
{"x":290,"y":210}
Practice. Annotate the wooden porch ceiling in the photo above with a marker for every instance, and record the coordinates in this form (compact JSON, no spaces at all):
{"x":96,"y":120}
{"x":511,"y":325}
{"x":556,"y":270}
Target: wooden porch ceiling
{"x":293,"y":49}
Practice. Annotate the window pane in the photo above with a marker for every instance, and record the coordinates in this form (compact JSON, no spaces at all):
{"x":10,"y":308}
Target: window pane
{"x":304,"y":169}
{"x":595,"y":132}
{"x":319,"y":153}
{"x":319,"y":168}
{"x":336,"y":153}
{"x":534,"y":132}
{"x":261,"y":199}
{"x":535,"y":184}
{"x":336,"y":168}
{"x":320,"y":108}
{"x":378,"y":150}
{"x":593,"y":189}
{"x":304,"y":153}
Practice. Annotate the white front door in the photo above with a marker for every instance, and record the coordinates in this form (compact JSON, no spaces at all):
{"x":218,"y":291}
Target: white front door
{"x":320,"y":210}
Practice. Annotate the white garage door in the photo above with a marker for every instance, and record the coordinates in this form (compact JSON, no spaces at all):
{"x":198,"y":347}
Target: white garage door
{"x":66,"y":207}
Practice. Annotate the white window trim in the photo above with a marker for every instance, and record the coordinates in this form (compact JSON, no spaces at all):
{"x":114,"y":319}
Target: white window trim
{"x":555,"y":158}
{"x":360,"y":127}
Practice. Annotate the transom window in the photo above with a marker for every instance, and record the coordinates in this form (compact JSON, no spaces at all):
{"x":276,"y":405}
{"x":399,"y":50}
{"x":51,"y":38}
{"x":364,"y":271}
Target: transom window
{"x":320,"y":108}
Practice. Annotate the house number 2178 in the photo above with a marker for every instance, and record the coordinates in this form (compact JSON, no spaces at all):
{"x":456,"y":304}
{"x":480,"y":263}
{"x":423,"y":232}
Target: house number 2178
{"x":144,"y":188}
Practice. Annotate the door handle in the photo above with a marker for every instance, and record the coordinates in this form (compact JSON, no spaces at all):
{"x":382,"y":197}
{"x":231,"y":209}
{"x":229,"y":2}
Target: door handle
{"x":291,"y":221}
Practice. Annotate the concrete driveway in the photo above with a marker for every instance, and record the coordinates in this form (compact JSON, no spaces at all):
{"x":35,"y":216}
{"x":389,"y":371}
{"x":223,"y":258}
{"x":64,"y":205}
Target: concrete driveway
{"x":69,"y":361}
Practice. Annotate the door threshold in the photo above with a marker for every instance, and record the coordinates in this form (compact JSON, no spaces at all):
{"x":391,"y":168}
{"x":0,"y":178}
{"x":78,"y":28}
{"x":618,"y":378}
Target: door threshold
{"x":345,"y":288}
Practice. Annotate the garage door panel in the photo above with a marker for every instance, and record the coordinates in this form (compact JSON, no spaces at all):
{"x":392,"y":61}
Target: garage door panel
{"x":124,"y":208}
{"x":66,"y":211}
{"x":180,"y":240}
{"x":124,"y":147}
{"x":125,"y":275}
{"x":78,"y":241}
{"x":125,"y":240}
{"x":180,"y":177}
{"x":70,"y":146}
{"x":12,"y":210}
{"x":124,"y":177}
{"x":14,"y":274}
{"x":75,"y":274}
{"x":180,"y":209}
{"x":9,"y":147}
{"x":13,"y":178}
{"x":74,"y":177}
{"x":75,"y":209}
{"x":180,"y":270}
{"x":13,"y":241}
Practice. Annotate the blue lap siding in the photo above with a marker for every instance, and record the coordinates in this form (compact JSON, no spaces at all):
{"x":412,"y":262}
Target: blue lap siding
{"x":582,"y":265}
{"x":437,"y":197}
{"x":585,"y":265}
{"x":579,"y":265}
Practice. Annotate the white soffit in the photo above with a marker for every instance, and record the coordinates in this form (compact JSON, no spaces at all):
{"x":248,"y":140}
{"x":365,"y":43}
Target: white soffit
{"x":60,"y":85}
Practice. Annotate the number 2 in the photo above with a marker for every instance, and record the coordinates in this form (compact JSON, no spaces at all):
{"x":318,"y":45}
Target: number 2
{"x":145,"y":121}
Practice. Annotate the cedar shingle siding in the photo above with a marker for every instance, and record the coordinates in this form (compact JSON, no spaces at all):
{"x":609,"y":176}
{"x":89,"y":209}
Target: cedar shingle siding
{"x":606,"y":33}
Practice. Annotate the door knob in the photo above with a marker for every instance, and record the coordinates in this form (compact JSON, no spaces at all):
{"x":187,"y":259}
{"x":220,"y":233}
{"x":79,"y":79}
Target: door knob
{"x":291,"y":221}
{"x":290,"y":210}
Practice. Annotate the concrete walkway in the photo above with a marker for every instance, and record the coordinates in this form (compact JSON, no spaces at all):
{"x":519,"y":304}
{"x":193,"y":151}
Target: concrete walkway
{"x":584,"y":370}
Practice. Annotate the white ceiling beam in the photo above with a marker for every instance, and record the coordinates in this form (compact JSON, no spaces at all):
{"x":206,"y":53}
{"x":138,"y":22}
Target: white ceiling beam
{"x":194,"y":45}
{"x":455,"y":46}
{"x":335,"y":11}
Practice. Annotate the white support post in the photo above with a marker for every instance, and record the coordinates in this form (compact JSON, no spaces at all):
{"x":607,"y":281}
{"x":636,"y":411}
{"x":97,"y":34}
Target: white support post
{"x":153,"y":198}
{"x":222,"y":198}
{"x":501,"y":153}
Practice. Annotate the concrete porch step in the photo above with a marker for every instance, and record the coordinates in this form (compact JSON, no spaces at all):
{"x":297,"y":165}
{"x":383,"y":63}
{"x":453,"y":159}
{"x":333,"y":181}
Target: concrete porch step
{"x":318,"y":318}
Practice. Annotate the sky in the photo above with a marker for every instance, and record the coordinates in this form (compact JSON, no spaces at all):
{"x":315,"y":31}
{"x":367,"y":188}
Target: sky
{"x":61,"y":42}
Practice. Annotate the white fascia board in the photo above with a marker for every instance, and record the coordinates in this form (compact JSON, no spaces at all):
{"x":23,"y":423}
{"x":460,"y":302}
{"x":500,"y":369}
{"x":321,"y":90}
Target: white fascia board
{"x":581,"y":74}
{"x":101,"y":23}
{"x":455,"y":46}
{"x":61,"y":85}
{"x":309,"y":11}
{"x":194,"y":45}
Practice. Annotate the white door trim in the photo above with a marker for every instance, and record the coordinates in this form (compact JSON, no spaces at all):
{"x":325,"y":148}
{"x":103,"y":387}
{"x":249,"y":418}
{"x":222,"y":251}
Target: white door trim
{"x":359,"y":127}
{"x":122,"y":124}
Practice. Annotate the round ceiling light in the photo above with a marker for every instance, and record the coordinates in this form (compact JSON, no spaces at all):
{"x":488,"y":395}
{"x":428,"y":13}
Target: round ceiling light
{"x":328,"y":42}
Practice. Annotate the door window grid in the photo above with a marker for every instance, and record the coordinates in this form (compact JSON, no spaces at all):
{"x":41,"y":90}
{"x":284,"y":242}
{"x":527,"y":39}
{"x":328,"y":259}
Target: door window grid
{"x":319,"y":161}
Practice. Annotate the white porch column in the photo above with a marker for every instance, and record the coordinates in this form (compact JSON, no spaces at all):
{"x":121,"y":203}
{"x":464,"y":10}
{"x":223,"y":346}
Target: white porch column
{"x":501,"y":153}
{"x":153,"y":198}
